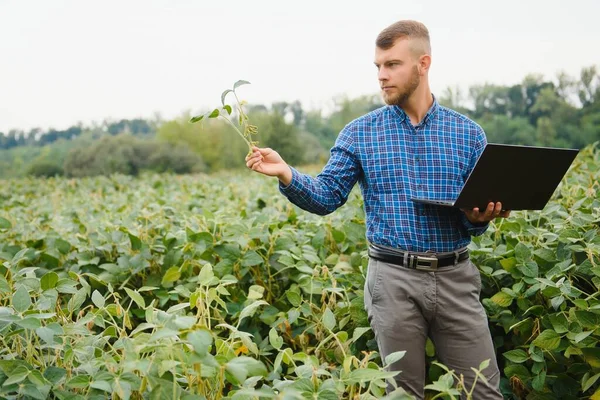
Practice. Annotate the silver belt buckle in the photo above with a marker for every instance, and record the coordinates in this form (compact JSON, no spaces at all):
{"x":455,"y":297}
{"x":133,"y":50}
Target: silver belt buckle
{"x":432,"y":265}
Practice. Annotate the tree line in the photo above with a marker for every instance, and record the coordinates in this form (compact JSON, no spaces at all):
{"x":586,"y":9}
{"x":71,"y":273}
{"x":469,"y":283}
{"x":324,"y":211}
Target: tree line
{"x":559,"y":112}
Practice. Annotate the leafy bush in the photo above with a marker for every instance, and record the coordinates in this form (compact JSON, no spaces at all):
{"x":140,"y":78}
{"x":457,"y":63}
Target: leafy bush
{"x":45,"y":168}
{"x":171,"y":287}
{"x":126,"y":154}
{"x":173,"y":158}
{"x":542,"y":280}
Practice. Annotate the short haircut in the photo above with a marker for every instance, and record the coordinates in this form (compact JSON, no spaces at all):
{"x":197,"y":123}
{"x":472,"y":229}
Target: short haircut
{"x":409,"y":29}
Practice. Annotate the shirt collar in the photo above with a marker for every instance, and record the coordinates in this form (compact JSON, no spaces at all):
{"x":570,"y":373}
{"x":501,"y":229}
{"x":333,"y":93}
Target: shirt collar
{"x":428,"y":116}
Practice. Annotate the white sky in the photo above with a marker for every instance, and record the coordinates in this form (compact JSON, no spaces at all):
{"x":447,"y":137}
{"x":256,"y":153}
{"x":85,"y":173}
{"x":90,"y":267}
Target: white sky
{"x":69,"y":61}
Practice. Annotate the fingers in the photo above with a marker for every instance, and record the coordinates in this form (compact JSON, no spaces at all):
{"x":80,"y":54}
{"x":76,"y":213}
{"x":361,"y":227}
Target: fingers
{"x":488,"y":213}
{"x":254,"y":160}
{"x":492,"y":211}
{"x":263,"y":151}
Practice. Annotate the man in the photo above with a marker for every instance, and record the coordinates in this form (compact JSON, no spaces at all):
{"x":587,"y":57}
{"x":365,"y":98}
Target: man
{"x":420,"y":280}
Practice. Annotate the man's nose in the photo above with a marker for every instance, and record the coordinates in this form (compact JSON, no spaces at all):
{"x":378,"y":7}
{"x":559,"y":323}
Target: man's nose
{"x":382,"y":74}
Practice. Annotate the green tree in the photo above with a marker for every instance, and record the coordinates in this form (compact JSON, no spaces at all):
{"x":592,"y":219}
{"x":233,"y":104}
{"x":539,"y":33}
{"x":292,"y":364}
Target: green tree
{"x":589,"y":86}
{"x":275,"y":132}
{"x":504,"y":129}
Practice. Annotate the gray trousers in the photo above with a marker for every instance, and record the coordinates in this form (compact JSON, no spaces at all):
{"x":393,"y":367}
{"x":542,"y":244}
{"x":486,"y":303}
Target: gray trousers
{"x":405,"y":306}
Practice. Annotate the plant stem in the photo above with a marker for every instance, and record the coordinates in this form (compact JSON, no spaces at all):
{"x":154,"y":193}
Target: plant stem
{"x":239,"y":133}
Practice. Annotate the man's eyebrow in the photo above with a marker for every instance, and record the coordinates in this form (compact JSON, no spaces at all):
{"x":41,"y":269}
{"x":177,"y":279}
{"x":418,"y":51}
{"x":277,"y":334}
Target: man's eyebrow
{"x":387,"y":61}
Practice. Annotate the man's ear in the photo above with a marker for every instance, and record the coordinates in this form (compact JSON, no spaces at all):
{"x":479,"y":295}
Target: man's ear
{"x":424,"y":63}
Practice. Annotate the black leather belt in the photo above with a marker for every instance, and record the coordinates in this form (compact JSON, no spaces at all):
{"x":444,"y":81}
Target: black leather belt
{"x":414,"y":261}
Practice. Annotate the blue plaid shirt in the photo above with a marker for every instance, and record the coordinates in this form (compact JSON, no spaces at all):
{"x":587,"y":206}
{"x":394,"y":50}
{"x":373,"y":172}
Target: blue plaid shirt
{"x":393,"y":161}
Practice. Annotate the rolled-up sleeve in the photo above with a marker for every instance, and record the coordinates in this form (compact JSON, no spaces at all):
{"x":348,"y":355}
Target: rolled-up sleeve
{"x":473,"y":229}
{"x":329,"y":190}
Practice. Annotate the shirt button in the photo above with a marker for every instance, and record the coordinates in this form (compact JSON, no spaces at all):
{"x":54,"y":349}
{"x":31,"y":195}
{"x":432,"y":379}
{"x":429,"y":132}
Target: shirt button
{"x":423,"y":212}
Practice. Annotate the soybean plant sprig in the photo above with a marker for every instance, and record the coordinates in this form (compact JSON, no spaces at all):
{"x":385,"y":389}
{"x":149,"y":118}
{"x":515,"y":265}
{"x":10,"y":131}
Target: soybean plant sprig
{"x":247,"y":129}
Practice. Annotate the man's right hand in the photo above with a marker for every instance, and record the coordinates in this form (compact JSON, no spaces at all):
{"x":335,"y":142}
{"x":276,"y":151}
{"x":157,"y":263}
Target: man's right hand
{"x":269,"y":162}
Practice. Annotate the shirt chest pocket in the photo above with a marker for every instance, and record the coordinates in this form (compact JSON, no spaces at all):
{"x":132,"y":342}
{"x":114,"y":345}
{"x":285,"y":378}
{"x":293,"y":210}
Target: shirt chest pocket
{"x":387,"y":174}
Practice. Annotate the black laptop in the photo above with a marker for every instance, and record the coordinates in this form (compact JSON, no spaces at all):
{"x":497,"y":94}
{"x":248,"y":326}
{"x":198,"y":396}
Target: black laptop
{"x":521,"y":177}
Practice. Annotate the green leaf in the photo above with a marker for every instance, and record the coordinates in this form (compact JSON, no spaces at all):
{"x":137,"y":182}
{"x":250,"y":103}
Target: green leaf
{"x":62,"y":245}
{"x":250,"y":309}
{"x":136,"y":297}
{"x":147,"y":288}
{"x":206,"y":275}
{"x":251,"y":258}
{"x":581,"y":335}
{"x":215,"y":113}
{"x":136,"y":243}
{"x":5,"y":224}
{"x":393,"y":357}
{"x":538,"y":381}
{"x":529,"y":269}
{"x":49,"y":280}
{"x":522,"y":252}
{"x":54,"y":374}
{"x":77,"y":300}
{"x":171,"y":276}
{"x":592,"y":356}
{"x":16,"y":376}
{"x":557,"y":301}
{"x":79,"y":382}
{"x":517,"y":370}
{"x":256,"y":292}
{"x":443,"y":384}
{"x":559,"y":322}
{"x":46,"y":334}
{"x":101,"y":385}
{"x":223,"y":95}
{"x":197,"y":118}
{"x":369,"y":375}
{"x":30,"y":391}
{"x":37,"y":379}
{"x":517,"y":356}
{"x":328,"y":319}
{"x":163,"y":333}
{"x":545,"y":254}
{"x":293,"y":297}
{"x":502,"y":299}
{"x":547,"y":340}
{"x":275,"y":340}
{"x":590,"y":382}
{"x":98,"y":299}
{"x":240,"y":83}
{"x":242,"y":367}
{"x":484,"y":364}
{"x":228,"y":109}
{"x":21,"y":300}
{"x":29,"y":323}
{"x":121,"y":388}
{"x":4,"y":286}
{"x":66,"y":286}
{"x":509,"y":264}
{"x":587,"y":319}
{"x":358,"y":332}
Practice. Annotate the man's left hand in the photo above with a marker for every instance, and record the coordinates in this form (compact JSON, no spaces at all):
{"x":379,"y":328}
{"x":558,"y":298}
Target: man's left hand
{"x":493,"y":211}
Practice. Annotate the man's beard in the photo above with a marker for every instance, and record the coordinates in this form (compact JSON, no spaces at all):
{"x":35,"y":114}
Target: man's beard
{"x":409,"y":88}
